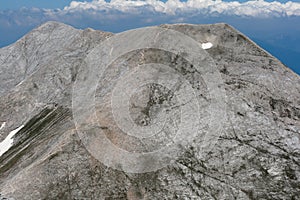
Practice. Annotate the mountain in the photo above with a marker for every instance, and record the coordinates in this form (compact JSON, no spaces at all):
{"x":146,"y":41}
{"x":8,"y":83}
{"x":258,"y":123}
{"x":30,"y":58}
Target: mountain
{"x":228,"y":115}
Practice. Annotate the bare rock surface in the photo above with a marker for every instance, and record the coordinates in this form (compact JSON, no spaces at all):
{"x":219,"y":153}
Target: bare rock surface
{"x":255,"y":156}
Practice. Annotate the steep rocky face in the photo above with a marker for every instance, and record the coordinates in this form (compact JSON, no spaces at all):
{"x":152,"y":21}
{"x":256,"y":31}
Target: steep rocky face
{"x":256,"y":154}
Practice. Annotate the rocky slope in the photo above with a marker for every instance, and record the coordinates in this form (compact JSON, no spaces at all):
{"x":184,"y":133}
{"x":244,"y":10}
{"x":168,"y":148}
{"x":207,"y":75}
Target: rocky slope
{"x":256,"y":156}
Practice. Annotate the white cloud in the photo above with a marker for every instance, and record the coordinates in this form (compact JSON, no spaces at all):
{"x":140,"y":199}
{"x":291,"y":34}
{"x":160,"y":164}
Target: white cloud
{"x":258,"y":8}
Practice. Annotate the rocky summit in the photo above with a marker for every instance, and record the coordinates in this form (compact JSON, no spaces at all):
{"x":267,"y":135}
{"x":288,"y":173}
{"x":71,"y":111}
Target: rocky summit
{"x":170,"y":112}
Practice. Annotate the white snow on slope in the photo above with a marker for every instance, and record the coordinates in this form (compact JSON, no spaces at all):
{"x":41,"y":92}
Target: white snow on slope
{"x":2,"y":125}
{"x":8,"y":141}
{"x":206,"y":45}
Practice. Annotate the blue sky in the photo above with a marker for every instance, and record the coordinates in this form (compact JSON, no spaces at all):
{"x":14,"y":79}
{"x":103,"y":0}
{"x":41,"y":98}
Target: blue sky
{"x":16,"y":4}
{"x":52,"y":4}
{"x":273,"y":25}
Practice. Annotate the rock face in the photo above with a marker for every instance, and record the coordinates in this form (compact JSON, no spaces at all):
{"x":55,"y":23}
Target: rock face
{"x":255,"y":156}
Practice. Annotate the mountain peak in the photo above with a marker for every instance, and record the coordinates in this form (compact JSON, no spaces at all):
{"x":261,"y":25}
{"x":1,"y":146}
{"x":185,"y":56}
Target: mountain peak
{"x":99,"y":115}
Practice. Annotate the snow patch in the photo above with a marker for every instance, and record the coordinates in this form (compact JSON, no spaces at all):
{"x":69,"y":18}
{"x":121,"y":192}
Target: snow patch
{"x":206,"y":45}
{"x":2,"y":125}
{"x":20,"y":83}
{"x":8,"y":141}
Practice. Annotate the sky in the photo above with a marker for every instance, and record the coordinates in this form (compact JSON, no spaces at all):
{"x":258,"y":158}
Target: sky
{"x":50,"y":4}
{"x":275,"y":26}
{"x":53,"y":4}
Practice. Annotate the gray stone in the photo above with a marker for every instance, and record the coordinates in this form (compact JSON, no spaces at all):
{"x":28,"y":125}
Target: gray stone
{"x":255,"y":156}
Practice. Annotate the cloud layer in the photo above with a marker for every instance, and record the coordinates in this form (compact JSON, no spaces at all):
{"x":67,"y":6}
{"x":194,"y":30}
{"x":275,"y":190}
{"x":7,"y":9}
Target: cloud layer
{"x":258,"y":8}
